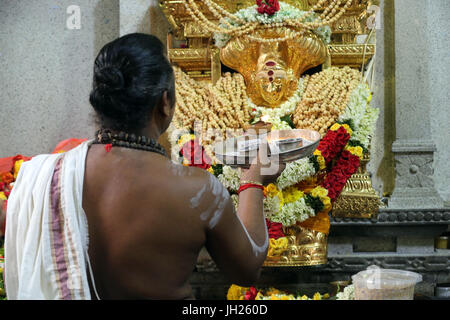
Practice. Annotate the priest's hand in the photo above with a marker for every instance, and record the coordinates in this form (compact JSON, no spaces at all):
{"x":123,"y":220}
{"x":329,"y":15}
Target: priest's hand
{"x":263,"y":169}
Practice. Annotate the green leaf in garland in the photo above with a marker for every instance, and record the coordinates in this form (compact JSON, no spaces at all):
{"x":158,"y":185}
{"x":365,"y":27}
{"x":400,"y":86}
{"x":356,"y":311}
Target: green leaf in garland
{"x":218,"y":169}
{"x":314,"y":202}
{"x":288,"y":120}
{"x":315,"y":163}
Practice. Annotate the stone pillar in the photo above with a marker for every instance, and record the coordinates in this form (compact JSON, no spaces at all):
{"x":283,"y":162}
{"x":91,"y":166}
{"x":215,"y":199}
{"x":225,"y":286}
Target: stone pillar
{"x":414,"y":147}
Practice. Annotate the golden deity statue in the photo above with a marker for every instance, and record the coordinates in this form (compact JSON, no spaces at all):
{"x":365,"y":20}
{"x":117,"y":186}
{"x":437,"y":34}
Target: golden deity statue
{"x":271,"y":70}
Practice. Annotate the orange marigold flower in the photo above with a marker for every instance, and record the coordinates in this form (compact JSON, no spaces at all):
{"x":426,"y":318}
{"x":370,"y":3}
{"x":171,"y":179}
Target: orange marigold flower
{"x":6,"y":177}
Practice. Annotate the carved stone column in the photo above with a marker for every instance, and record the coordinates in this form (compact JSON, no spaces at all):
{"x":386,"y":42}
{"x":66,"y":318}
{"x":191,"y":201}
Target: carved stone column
{"x":414,"y":147}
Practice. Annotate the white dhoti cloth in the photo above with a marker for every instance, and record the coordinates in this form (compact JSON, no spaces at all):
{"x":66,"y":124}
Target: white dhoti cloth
{"x":46,"y":241}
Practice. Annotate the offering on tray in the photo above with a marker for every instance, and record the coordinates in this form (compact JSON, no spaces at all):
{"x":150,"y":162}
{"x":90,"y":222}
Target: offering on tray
{"x":286,"y":145}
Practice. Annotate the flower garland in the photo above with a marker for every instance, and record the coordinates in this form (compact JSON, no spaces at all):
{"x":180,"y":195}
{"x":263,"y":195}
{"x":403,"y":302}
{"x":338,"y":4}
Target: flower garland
{"x":230,"y":178}
{"x":361,"y":116}
{"x":290,"y":206}
{"x":295,"y":172}
{"x":236,"y":292}
{"x":345,"y":167}
{"x":265,"y":16}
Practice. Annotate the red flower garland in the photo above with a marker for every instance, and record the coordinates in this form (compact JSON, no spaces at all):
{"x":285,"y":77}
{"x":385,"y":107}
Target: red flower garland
{"x":268,"y":6}
{"x":275,"y":230}
{"x":345,"y":167}
{"x":333,"y":143}
{"x":195,"y":154}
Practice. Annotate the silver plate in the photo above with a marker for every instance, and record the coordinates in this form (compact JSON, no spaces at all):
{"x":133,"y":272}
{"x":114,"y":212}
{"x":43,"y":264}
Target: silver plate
{"x":228,"y":153}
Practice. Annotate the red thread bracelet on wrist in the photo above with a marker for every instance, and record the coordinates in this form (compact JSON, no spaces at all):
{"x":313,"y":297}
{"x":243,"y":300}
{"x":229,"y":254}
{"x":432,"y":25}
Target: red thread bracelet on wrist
{"x":250,"y":185}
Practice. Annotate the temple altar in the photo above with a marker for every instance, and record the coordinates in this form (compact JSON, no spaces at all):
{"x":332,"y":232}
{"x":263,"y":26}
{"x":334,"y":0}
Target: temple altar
{"x":366,"y":227}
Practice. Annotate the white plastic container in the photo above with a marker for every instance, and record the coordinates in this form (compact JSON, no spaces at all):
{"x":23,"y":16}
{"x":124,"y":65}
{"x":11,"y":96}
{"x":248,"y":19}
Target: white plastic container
{"x":385,"y":284}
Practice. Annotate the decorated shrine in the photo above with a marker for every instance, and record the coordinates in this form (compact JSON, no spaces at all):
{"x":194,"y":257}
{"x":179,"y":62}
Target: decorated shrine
{"x":282,"y":66}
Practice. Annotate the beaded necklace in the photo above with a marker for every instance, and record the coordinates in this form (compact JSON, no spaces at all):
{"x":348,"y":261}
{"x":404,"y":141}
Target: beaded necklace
{"x":131,"y":141}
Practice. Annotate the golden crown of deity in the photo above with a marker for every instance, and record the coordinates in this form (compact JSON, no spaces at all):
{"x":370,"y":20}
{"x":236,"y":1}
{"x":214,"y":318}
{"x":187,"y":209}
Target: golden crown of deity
{"x":271,"y":69}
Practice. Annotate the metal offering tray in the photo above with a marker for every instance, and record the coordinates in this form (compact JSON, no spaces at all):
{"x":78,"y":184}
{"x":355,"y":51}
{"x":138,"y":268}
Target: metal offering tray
{"x":285,"y":145}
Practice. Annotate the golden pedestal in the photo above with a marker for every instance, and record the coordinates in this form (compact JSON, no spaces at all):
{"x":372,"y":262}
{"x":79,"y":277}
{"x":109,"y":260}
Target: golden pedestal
{"x":306,"y":248}
{"x":358,"y":199}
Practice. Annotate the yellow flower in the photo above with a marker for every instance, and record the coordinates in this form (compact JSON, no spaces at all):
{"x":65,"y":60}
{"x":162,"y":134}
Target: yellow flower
{"x":185,"y":138}
{"x":321,"y":161}
{"x":17,"y":165}
{"x":335,"y":127}
{"x":304,"y":297}
{"x":357,"y":151}
{"x":2,"y":196}
{"x":292,"y":194}
{"x":236,"y":292}
{"x":274,"y":297}
{"x":284,"y":297}
{"x":210,"y":170}
{"x":326,"y":296}
{"x":277,"y":246}
{"x":317,"y":296}
{"x":326,"y":204}
{"x":272,"y":190}
{"x":348,"y":129}
{"x":319,"y":192}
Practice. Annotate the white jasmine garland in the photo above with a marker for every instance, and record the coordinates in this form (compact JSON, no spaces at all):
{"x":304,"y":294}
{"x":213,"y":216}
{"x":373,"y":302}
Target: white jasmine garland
{"x":286,"y":12}
{"x":366,"y":127}
{"x":357,"y":105}
{"x":271,"y":204}
{"x":295,"y":172}
{"x":291,"y":213}
{"x":363,"y":116}
{"x":230,"y":178}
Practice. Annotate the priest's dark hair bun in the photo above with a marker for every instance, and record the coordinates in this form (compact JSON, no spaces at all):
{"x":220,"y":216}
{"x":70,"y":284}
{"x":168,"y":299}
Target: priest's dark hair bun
{"x":130,"y":76}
